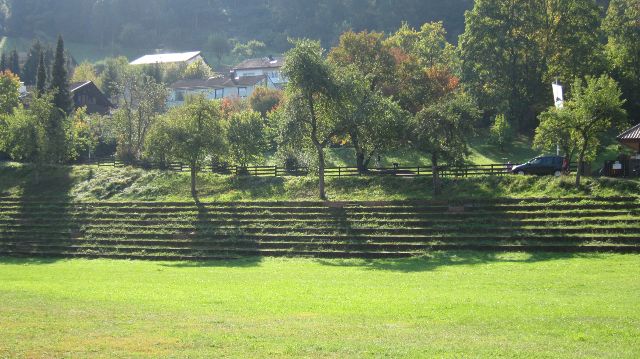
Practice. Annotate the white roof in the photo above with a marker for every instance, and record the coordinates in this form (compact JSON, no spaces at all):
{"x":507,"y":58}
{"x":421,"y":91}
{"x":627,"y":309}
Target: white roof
{"x":165,"y":58}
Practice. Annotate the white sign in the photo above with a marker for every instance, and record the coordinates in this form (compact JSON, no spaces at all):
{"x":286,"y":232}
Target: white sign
{"x":617,"y":166}
{"x":558,"y":96}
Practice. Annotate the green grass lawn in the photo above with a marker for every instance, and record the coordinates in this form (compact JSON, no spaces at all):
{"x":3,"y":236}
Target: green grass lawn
{"x":461,"y":304}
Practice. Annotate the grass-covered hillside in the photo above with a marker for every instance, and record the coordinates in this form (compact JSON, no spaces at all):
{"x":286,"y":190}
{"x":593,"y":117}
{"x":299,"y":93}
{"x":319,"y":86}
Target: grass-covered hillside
{"x":91,"y":183}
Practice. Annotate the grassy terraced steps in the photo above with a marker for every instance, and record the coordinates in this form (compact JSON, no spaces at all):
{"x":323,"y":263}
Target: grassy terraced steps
{"x":186,"y":230}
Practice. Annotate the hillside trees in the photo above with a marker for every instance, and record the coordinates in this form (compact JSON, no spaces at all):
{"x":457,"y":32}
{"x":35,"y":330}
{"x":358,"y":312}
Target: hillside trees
{"x":623,"y":49}
{"x":511,"y":48}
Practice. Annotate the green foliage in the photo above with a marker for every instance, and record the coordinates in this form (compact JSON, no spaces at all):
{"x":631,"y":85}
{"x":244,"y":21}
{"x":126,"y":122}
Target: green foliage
{"x":86,"y":72}
{"x":141,"y":101}
{"x":501,"y":132}
{"x":191,"y":133}
{"x":9,"y":92}
{"x":428,"y":44}
{"x":368,"y":52}
{"x":81,"y":138}
{"x":252,"y":48}
{"x":511,"y":49}
{"x":219,"y":45}
{"x":311,"y":102}
{"x":623,"y":49}
{"x":443,"y":130}
{"x":246,"y":137}
{"x":23,"y":136}
{"x":264,"y":100}
{"x":197,"y":70}
{"x":594,"y":109}
{"x":113,"y":73}
{"x":60,"y":81}
{"x":41,"y":78}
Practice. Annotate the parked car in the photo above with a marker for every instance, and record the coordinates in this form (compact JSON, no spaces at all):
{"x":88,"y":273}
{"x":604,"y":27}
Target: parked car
{"x":542,"y":166}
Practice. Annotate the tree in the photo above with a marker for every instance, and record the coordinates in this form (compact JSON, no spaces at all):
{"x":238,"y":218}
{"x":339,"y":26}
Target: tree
{"x":264,"y":100}
{"x":501,"y":132}
{"x":41,"y":79}
{"x":14,"y":62}
{"x":553,"y":132}
{"x":197,"y":70}
{"x":311,"y":90}
{"x":86,"y":72}
{"x":249,"y":49}
{"x":246,"y":137}
{"x":511,"y":50}
{"x":375,"y":123}
{"x":9,"y":92}
{"x":192,"y":133}
{"x":623,"y":49}
{"x":370,"y":55}
{"x":219,"y":45}
{"x":113,"y":73}
{"x":30,"y":68}
{"x":4,"y":64}
{"x":142,"y":100}
{"x":594,"y":108}
{"x":443,"y":129}
{"x":60,"y":81}
{"x":80,"y":137}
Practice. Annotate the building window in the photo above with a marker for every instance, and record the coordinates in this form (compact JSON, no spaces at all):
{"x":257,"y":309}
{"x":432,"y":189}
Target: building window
{"x":242,"y":91}
{"x":219,"y":93}
{"x":179,"y":96}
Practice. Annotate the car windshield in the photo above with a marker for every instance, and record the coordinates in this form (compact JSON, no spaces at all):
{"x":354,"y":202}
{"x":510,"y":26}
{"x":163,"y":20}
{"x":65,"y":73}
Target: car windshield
{"x":535,"y":161}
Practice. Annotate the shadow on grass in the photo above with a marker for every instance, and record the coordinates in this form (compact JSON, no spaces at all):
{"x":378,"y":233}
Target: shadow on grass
{"x":433,"y":261}
{"x":39,"y":211}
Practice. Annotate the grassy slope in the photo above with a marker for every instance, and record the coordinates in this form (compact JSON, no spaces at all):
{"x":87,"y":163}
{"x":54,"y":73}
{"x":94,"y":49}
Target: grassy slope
{"x":125,"y":184}
{"x":447,"y":305}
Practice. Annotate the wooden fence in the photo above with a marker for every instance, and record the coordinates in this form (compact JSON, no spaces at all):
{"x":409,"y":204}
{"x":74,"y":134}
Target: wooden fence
{"x":498,"y":169}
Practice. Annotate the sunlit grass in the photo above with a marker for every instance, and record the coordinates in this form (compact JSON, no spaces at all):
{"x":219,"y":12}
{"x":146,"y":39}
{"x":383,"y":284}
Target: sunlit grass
{"x":453,"y":305}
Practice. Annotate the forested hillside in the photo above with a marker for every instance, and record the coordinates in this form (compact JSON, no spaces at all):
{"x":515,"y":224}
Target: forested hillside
{"x":189,"y":23}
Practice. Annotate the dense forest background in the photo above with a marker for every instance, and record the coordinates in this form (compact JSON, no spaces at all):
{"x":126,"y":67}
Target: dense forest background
{"x":186,"y":24}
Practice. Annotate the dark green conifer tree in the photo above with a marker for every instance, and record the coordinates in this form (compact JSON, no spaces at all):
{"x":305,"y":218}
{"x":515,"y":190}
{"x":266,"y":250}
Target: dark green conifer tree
{"x":14,"y":62}
{"x":41,"y":81}
{"x":60,"y":80}
{"x":3,"y":62}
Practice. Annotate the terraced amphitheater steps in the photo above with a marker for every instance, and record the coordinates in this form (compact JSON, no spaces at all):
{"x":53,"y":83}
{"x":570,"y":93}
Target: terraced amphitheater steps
{"x":184,"y":230}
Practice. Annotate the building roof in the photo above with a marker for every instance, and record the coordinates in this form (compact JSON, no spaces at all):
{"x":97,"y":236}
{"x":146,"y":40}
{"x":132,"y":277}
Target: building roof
{"x":219,"y":82}
{"x":78,"y":85}
{"x":261,"y":63}
{"x":166,"y":58}
{"x":631,"y":134}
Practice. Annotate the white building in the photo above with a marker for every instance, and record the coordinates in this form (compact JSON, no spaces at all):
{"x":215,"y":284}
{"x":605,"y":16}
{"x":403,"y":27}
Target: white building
{"x":183,"y":57}
{"x":216,"y":88}
{"x":271,"y":67}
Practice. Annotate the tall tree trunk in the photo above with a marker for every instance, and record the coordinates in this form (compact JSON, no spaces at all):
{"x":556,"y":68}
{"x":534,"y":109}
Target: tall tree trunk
{"x":194,"y":173}
{"x":436,"y":174}
{"x":360,"y":156}
{"x":580,"y":164}
{"x":323,"y":195}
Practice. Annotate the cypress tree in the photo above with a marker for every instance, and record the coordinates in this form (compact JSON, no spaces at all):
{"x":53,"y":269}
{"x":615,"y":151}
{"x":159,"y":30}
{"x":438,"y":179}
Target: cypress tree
{"x":41,"y":81}
{"x":60,"y":81}
{"x":3,"y":62}
{"x":14,"y":62}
